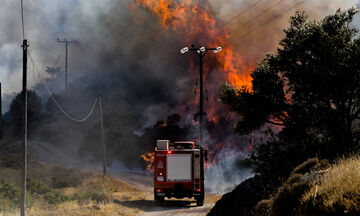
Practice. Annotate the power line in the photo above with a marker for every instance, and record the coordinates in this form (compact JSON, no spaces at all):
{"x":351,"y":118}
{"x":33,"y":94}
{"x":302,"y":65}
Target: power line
{"x":241,"y":12}
{"x":57,"y":103}
{"x":257,"y":16}
{"x":58,"y":58}
{"x":267,"y":22}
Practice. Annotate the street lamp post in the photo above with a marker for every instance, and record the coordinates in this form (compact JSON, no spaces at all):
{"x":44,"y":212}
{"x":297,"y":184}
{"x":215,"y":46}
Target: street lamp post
{"x":201,"y":52}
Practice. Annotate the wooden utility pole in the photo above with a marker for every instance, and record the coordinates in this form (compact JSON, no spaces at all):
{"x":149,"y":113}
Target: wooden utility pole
{"x":24,"y":139}
{"x":102,"y":136}
{"x":1,"y":128}
{"x":66,"y":61}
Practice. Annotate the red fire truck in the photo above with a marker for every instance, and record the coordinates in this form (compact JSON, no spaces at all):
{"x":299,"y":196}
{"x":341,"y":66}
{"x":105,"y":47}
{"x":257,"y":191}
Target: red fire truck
{"x":179,"y":171}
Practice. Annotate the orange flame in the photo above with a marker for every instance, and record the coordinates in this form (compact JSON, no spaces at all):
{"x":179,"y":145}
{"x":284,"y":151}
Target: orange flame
{"x":194,"y":20}
{"x":149,"y":160}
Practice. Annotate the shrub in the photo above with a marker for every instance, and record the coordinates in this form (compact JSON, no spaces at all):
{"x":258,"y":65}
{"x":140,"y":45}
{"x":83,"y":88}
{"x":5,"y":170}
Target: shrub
{"x":310,"y":165}
{"x":101,"y":197}
{"x":263,"y":208}
{"x":36,"y":187}
{"x":10,"y":197}
{"x":59,"y":183}
{"x":287,"y":200}
{"x":55,"y":198}
{"x":82,"y":198}
{"x":9,"y":191}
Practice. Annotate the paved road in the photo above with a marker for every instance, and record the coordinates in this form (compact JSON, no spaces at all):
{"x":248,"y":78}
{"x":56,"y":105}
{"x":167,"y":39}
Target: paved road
{"x":171,"y":207}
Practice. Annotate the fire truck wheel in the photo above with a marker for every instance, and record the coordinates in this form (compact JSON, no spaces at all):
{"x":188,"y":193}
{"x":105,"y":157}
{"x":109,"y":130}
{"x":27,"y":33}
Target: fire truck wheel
{"x":199,"y":202}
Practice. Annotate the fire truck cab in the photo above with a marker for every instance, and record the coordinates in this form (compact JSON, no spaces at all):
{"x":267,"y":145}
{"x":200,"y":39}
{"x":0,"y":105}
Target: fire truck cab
{"x":179,"y":171}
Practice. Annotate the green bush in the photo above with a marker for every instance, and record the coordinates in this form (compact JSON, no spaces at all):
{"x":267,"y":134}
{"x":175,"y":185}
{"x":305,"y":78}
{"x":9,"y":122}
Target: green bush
{"x":82,"y":198}
{"x":59,"y":183}
{"x":9,"y":192}
{"x":10,"y":197}
{"x":54,"y":197}
{"x":36,"y":187}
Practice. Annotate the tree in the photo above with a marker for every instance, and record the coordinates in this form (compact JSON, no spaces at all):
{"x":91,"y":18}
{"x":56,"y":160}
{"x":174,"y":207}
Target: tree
{"x":35,"y":112}
{"x":310,"y":87}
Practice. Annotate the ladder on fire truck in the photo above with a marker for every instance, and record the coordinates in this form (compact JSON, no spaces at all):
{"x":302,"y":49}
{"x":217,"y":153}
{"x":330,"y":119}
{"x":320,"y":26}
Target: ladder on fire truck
{"x":197,"y":170}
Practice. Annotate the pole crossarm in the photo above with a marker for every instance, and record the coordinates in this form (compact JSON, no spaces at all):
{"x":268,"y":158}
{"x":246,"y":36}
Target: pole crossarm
{"x":201,"y":51}
{"x":65,"y":41}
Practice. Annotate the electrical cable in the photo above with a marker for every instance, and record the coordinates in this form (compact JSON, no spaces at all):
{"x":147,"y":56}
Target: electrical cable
{"x":58,"y":58}
{"x":241,"y":12}
{"x":57,"y":103}
{"x":256,"y":17}
{"x":267,"y":22}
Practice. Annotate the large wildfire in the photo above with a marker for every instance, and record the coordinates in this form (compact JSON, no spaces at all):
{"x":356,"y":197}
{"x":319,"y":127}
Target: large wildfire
{"x":195,"y":22}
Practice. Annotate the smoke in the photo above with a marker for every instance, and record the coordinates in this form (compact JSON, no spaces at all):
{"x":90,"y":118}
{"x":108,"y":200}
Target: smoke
{"x":123,"y":54}
{"x":254,"y":44}
{"x":225,"y":175}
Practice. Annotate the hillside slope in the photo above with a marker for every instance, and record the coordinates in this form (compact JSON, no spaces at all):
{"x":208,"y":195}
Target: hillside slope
{"x":314,"y":188}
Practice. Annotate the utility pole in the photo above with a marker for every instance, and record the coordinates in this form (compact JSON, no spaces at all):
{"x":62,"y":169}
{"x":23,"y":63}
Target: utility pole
{"x":66,"y":61}
{"x":102,"y":137}
{"x":1,"y":127}
{"x":24,"y":139}
{"x":201,"y":52}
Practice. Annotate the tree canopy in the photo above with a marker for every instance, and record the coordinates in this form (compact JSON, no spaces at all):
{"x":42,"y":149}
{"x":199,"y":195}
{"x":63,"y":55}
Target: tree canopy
{"x":310,"y":87}
{"x":34,"y":110}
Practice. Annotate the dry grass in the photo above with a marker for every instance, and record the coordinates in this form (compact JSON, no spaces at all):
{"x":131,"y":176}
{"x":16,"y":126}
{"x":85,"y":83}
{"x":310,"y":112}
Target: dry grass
{"x":106,"y":193}
{"x":45,"y":173}
{"x":337,"y":192}
{"x":87,"y":193}
{"x":92,"y":208}
{"x":72,"y":208}
{"x":212,"y":198}
{"x":316,"y":188}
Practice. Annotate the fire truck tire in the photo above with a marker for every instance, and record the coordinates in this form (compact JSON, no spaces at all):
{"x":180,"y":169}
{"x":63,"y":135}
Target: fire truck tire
{"x":200,"y":202}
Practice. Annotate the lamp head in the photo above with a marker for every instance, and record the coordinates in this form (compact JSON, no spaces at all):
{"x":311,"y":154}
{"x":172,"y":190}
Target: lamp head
{"x":184,"y":50}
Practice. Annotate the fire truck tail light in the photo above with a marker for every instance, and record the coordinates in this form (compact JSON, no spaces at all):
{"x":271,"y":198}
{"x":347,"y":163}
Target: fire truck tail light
{"x":169,"y":152}
{"x":159,"y":190}
{"x":197,"y":190}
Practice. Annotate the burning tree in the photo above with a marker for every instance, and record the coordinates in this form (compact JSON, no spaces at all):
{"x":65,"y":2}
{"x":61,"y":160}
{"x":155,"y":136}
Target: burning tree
{"x":310,"y":88}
